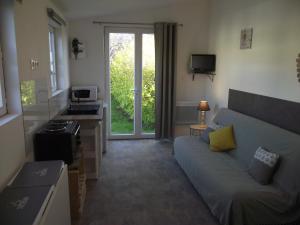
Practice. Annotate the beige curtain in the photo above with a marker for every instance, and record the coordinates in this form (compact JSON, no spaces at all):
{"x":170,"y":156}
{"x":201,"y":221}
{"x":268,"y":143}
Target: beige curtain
{"x":165,"y":79}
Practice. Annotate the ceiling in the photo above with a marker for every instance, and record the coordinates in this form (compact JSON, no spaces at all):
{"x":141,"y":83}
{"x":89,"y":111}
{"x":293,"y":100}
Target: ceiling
{"x":85,"y":8}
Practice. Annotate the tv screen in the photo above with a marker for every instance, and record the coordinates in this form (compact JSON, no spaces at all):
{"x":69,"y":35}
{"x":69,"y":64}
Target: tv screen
{"x":203,"y":63}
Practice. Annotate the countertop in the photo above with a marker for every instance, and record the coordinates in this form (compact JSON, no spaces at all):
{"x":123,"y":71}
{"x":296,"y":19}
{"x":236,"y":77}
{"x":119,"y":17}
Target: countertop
{"x":98,"y":116}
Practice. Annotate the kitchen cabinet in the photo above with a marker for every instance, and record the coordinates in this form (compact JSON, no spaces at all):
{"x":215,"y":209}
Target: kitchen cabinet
{"x":41,"y":190}
{"x":77,"y":187}
{"x":93,"y":139}
{"x":58,"y":208}
{"x":91,"y":142}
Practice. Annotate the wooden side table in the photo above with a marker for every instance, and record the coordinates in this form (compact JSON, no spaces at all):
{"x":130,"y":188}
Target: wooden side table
{"x":197,"y":129}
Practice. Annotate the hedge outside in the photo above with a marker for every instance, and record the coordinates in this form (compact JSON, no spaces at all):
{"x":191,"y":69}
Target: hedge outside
{"x":122,"y":85}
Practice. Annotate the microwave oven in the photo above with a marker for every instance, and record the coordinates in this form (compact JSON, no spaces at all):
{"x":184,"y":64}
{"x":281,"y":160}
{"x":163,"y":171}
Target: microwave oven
{"x":84,"y":93}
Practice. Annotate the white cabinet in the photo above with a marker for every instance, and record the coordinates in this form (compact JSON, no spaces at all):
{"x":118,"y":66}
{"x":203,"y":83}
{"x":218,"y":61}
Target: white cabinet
{"x":58,"y":209}
{"x":38,"y":195}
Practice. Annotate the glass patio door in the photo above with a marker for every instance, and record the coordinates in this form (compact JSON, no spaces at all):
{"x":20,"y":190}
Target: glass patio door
{"x":130,"y":69}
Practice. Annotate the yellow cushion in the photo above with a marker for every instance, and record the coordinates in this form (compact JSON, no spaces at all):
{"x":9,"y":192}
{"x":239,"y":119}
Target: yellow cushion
{"x":222,"y":139}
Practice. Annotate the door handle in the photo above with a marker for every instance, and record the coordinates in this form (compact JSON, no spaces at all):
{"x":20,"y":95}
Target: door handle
{"x":135,"y":90}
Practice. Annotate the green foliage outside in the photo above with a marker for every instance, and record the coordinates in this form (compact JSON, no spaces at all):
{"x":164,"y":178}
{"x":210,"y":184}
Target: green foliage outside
{"x":119,"y":121}
{"x":122,"y":85}
{"x":148,"y":98}
{"x":28,"y":93}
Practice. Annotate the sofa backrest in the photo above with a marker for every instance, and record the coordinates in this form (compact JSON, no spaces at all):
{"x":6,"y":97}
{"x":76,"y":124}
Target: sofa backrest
{"x":251,"y":133}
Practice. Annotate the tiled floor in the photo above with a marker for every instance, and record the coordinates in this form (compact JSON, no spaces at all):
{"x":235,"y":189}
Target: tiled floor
{"x":141,"y":184}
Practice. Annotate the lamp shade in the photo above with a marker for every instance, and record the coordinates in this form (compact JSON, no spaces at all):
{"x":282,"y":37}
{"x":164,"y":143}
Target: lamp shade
{"x":203,"y":106}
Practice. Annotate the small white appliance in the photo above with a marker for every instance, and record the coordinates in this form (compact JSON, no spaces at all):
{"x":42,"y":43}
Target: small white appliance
{"x":84,"y":93}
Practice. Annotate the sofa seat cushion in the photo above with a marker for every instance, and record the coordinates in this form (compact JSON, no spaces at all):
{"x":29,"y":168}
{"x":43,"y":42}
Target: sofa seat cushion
{"x":250,"y":133}
{"x":226,"y":186}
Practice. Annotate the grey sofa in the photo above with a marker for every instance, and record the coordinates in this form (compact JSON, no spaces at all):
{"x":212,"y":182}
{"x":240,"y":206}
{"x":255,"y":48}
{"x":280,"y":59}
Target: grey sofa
{"x":222,"y":180}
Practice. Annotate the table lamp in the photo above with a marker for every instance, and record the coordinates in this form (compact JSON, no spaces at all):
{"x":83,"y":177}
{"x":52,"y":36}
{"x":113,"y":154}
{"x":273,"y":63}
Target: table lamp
{"x":203,"y":107}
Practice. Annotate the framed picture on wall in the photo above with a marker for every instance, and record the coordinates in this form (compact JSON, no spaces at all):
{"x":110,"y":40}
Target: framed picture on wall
{"x":246,"y":38}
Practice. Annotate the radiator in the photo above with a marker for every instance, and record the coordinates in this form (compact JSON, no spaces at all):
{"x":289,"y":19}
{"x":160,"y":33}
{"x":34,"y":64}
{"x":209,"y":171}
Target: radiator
{"x":186,"y":113}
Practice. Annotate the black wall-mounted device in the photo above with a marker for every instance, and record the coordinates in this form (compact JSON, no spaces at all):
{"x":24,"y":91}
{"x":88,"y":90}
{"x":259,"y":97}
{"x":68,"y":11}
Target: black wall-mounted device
{"x":203,"y":63}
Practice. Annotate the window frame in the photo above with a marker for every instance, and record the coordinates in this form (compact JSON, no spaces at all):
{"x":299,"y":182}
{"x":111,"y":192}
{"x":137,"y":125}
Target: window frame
{"x":53,"y":76}
{"x":3,"y":108}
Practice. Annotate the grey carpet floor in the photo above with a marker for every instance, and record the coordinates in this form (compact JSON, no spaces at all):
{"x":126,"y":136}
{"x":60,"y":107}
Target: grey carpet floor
{"x":142,"y":184}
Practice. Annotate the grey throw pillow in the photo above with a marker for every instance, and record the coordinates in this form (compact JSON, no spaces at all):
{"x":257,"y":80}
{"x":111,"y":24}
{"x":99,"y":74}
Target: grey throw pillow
{"x":215,"y":126}
{"x":263,"y":165}
{"x":205,"y":134}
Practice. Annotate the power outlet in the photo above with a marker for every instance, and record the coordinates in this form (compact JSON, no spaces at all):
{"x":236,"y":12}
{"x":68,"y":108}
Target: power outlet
{"x":34,"y":64}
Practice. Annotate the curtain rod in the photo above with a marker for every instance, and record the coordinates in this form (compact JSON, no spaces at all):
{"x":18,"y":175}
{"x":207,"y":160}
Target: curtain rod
{"x":147,"y":24}
{"x":54,"y":16}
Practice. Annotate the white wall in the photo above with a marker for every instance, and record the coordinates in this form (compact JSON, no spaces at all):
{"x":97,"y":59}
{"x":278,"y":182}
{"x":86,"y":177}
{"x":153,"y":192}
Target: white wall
{"x":24,"y":36}
{"x":192,"y":38}
{"x":33,"y":43}
{"x":269,"y":68}
{"x":12,"y":147}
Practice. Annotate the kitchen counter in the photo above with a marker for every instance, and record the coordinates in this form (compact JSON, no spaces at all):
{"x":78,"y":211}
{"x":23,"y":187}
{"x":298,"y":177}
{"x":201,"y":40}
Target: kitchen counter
{"x":92,"y":136}
{"x":98,"y":116}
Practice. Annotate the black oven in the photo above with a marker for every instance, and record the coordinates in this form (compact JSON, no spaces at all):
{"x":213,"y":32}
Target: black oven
{"x":58,"y":140}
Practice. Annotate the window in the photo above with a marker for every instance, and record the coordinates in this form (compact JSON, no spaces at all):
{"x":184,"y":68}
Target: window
{"x":52,"y":47}
{"x":2,"y":90}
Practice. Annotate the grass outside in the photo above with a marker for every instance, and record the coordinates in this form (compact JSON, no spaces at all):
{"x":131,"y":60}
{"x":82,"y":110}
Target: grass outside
{"x":121,"y":124}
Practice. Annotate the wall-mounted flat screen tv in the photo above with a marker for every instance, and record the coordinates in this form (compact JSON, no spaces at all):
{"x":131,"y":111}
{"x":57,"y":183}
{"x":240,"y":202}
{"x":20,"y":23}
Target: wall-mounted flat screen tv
{"x":201,"y":63}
